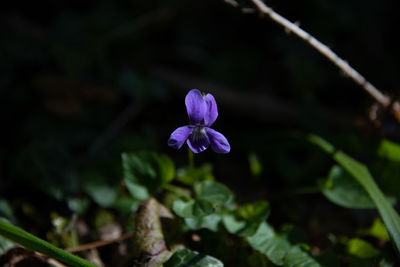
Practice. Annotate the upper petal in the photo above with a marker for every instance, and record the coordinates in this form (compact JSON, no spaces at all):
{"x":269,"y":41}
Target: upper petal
{"x":218,"y":142}
{"x":196,"y":106}
{"x":179,"y":136}
{"x":198,"y":141}
{"x":212,"y":111}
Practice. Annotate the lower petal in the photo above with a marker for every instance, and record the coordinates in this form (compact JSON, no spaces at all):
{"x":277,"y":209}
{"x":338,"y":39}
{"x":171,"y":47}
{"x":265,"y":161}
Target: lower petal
{"x":198,"y":142}
{"x":218,"y":142}
{"x":179,"y":136}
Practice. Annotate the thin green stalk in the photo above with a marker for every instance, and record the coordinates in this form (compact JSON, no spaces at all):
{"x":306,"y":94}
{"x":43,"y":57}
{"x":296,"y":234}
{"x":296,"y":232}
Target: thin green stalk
{"x":190,"y":159}
{"x":34,"y":243}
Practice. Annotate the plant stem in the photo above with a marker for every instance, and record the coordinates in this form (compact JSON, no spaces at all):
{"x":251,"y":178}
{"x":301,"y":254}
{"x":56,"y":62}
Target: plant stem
{"x":34,"y":243}
{"x":190,"y":159}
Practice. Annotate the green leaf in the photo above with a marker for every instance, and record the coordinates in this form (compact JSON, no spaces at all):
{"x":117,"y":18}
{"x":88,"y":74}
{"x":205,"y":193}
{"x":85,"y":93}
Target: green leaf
{"x":190,"y":176}
{"x":255,"y":164}
{"x":5,"y":245}
{"x":268,"y":243}
{"x":322,"y":143}
{"x":343,"y":190}
{"x":361,"y":173}
{"x":146,"y":172}
{"x":188,"y":258}
{"x":209,"y":222}
{"x":247,"y":219}
{"x":378,"y":230}
{"x":278,"y":249}
{"x":213,"y":192}
{"x":254,"y":214}
{"x":166,"y":168}
{"x":361,"y":249}
{"x":232,"y":223}
{"x":297,"y":257}
{"x":389,"y":150}
{"x":6,"y":210}
{"x":78,"y":205}
{"x":102,"y":194}
{"x":127,"y":205}
{"x":192,"y":208}
{"x":36,"y":244}
{"x":137,"y":191}
{"x":210,"y":197}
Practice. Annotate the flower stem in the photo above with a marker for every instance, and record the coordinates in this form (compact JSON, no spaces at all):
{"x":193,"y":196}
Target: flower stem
{"x":190,"y":159}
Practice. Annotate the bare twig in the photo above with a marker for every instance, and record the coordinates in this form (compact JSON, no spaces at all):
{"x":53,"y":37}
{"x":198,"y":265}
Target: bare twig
{"x":97,"y":244}
{"x":382,"y":99}
{"x":236,"y":4}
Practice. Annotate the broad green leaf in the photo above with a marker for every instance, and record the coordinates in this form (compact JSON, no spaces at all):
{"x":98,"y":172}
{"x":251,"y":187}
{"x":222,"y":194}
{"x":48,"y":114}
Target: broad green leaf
{"x":254,"y":214}
{"x":343,"y":190}
{"x":278,"y":249}
{"x":268,"y":243}
{"x":209,"y":222}
{"x":246,"y":220}
{"x":297,"y":257}
{"x":192,"y":208}
{"x":378,"y":230}
{"x":214,"y":192}
{"x":102,"y":194}
{"x":361,"y":249}
{"x":202,"y":208}
{"x":389,"y":150}
{"x":34,"y":243}
{"x":210,"y":197}
{"x":232,"y":223}
{"x":183,"y":208}
{"x":166,"y":167}
{"x":78,"y":205}
{"x":146,"y":172}
{"x":6,"y":210}
{"x":188,"y":258}
{"x":5,"y":245}
{"x":127,"y":205}
{"x":136,"y":190}
{"x":190,"y":176}
{"x":361,"y":173}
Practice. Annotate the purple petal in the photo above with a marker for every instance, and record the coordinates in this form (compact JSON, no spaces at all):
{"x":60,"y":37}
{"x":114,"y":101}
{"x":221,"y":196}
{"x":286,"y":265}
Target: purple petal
{"x":198,"y":141}
{"x":218,"y":142}
{"x":179,"y":136}
{"x":212,"y":111}
{"x":196,"y":106}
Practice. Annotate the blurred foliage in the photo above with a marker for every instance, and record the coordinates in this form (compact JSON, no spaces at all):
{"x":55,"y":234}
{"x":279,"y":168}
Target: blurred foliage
{"x":86,"y":85}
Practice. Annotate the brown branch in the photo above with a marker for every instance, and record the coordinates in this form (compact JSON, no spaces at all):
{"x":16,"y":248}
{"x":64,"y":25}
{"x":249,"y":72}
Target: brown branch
{"x":382,"y":99}
{"x":99,"y":243}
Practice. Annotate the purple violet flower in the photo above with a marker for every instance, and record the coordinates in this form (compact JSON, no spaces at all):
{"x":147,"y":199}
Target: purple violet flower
{"x":202,"y":111}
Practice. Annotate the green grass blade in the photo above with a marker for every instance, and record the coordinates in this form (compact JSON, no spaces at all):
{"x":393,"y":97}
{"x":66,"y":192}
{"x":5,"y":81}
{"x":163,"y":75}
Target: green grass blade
{"x":34,"y":243}
{"x":361,"y":173}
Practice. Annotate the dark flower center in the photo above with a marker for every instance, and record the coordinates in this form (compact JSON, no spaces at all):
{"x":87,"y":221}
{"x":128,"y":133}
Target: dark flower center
{"x":199,"y":133}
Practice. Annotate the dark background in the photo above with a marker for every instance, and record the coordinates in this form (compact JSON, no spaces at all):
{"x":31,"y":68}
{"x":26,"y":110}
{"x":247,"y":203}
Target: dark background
{"x":83,"y":81}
